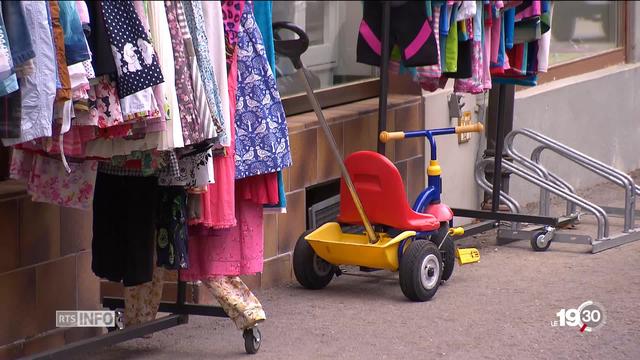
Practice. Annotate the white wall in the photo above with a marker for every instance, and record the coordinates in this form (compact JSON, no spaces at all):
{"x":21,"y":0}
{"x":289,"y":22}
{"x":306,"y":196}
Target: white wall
{"x":457,"y":160}
{"x":597,"y":113}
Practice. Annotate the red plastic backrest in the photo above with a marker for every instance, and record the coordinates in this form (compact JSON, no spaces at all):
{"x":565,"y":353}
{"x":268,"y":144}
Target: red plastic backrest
{"x":380,"y":188}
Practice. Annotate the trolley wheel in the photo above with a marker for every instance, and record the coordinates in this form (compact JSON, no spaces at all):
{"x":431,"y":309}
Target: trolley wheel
{"x":119,"y":321}
{"x":420,"y":270}
{"x":252,"y":340}
{"x":310,"y":270}
{"x":538,"y":242}
{"x":447,"y":250}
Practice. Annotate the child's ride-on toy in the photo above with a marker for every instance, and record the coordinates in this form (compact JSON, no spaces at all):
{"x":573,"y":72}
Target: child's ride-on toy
{"x":412,"y":240}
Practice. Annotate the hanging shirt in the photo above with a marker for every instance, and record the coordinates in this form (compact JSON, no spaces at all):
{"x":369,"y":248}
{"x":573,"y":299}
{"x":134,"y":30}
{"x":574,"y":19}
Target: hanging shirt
{"x":212,"y":12}
{"x":195,"y":21}
{"x":37,"y":90}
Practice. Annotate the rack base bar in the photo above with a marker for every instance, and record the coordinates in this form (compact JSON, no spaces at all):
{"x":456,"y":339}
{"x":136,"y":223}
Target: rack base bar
{"x":506,"y":236}
{"x":477,"y":228}
{"x":112,"y":338}
{"x":617,"y":240}
{"x":171,"y":307}
{"x":502,"y":216}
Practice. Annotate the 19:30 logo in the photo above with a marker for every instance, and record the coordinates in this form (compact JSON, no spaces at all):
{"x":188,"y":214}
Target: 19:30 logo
{"x":587,"y":317}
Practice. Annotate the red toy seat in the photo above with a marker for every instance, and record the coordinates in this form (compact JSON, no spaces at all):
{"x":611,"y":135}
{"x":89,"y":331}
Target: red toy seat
{"x":382,"y":194}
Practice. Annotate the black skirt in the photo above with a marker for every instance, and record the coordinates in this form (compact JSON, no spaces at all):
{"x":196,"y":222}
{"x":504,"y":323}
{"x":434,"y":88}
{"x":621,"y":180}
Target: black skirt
{"x":124,"y":213}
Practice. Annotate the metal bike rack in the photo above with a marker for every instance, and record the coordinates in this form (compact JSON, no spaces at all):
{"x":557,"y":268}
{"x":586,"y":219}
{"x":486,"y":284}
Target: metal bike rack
{"x":616,"y":176}
{"x":532,"y":171}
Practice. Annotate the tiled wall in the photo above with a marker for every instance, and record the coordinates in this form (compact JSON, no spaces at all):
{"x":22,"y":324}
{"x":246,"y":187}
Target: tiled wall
{"x":45,"y":265}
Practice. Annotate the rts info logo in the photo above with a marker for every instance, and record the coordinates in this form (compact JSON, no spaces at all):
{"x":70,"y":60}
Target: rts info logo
{"x":588,"y":317}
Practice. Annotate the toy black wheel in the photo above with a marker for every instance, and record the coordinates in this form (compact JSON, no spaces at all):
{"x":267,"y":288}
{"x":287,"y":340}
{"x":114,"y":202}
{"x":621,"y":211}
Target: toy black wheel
{"x":538,"y":241}
{"x":420,"y":270}
{"x":447,"y":250}
{"x":310,"y":270}
{"x":252,"y":340}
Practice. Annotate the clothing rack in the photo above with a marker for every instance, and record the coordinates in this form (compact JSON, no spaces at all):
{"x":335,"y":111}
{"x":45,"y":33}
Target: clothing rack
{"x":179,"y":314}
{"x":501,"y":101}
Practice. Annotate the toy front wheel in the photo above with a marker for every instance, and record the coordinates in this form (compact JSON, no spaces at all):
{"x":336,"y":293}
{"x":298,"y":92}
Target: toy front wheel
{"x":310,"y":270}
{"x":420,"y":270}
{"x":447,"y":250}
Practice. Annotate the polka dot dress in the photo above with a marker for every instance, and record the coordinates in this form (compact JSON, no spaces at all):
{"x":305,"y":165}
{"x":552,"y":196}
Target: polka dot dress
{"x":134,"y":56}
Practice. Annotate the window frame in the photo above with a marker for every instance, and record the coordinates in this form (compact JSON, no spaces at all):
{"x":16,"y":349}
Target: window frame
{"x":370,"y":88}
{"x":606,"y":58}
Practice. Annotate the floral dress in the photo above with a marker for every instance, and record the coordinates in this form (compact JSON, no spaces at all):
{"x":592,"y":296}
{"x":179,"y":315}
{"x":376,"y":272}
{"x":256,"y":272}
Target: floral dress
{"x":262,"y":139}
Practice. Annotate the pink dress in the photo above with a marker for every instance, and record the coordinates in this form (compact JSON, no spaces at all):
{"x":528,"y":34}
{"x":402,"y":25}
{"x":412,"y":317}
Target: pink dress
{"x":234,"y":251}
{"x":229,"y":239}
{"x":218,"y":206}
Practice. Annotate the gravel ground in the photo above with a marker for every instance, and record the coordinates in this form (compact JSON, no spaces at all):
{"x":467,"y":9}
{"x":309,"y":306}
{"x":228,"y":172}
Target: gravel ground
{"x":499,"y":308}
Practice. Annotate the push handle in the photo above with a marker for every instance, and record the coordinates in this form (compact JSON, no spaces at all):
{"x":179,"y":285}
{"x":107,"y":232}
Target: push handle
{"x":386,"y":136}
{"x":294,"y":48}
{"x":477,"y":127}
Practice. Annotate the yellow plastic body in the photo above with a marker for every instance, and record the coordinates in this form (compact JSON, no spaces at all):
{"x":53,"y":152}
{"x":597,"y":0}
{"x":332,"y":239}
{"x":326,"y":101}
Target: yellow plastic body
{"x":338,"y":248}
{"x":434,"y":168}
{"x":467,"y":255}
{"x":457,"y":231}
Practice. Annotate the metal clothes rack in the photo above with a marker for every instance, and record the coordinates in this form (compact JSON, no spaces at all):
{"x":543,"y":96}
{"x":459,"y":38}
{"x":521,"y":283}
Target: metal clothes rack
{"x":501,"y":101}
{"x":499,"y":122}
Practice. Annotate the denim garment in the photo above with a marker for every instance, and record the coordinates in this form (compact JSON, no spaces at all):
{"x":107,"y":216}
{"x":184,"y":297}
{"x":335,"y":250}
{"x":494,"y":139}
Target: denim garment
{"x":8,"y":81}
{"x":22,"y":48}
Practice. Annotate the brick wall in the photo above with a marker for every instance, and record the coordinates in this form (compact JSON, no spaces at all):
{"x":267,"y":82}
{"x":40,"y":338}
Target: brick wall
{"x":45,"y":265}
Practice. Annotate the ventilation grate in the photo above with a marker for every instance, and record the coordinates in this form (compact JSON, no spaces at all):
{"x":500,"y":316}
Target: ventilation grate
{"x":324,"y":211}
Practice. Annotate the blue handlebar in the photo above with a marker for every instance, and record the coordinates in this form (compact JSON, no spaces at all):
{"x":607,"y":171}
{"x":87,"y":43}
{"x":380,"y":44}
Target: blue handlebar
{"x":429,"y":134}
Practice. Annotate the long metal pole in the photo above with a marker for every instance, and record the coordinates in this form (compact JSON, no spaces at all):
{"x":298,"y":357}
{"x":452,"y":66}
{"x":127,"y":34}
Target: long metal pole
{"x":338,"y":157}
{"x":497,"y":165}
{"x":384,"y":74}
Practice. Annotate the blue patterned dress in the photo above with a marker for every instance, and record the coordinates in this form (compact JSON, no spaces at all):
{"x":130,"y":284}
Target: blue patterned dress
{"x":262,"y":139}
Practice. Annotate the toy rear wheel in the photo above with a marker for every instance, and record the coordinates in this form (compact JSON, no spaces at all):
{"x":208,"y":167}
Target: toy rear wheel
{"x":420,"y":270}
{"x":447,"y":250}
{"x":310,"y":270}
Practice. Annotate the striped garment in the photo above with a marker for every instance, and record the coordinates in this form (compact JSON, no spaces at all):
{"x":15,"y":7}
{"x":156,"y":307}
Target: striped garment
{"x":199,"y":95}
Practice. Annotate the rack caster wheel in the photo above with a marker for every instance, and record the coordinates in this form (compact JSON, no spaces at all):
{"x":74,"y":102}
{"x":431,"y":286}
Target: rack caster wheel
{"x":252,"y":340}
{"x":541,"y":241}
{"x":119,"y":321}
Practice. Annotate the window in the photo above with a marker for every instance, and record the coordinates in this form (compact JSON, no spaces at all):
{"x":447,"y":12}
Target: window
{"x":332,"y":27}
{"x":584,"y":28}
